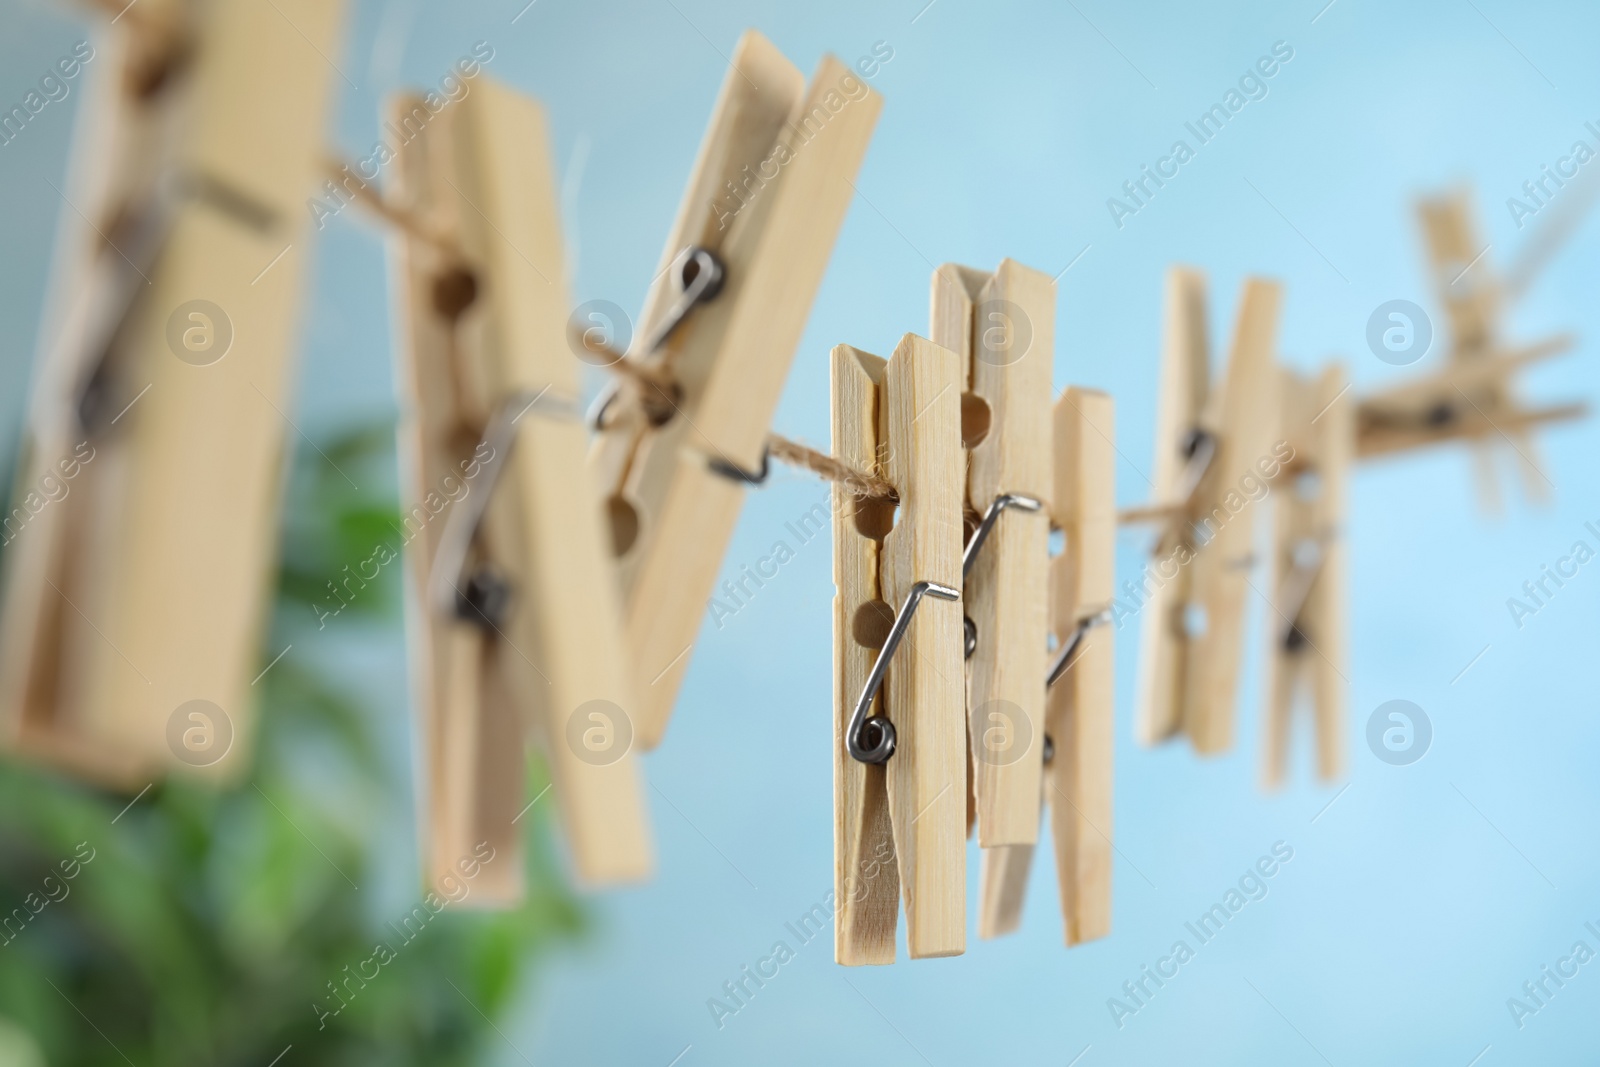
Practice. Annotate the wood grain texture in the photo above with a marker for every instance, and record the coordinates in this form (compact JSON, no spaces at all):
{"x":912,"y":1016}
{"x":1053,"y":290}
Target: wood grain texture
{"x":1082,"y":710}
{"x":866,"y":878}
{"x":926,"y":777}
{"x":1005,"y":335}
{"x":912,"y":404}
{"x":1243,"y":420}
{"x":157,"y":591}
{"x":791,"y":157}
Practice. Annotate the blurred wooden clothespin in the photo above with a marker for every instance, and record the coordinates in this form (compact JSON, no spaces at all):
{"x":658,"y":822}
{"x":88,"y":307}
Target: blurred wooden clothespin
{"x":1472,"y":397}
{"x":142,"y":542}
{"x":1002,"y":325}
{"x":1213,"y":449}
{"x":1307,"y":623}
{"x":900,"y":753}
{"x":1078,"y":741}
{"x":684,"y":430}
{"x":516,"y":617}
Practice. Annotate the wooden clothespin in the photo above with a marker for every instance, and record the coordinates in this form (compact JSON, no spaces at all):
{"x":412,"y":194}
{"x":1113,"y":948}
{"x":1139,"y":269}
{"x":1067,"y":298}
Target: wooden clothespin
{"x":899,"y":736}
{"x":1307,"y":624}
{"x":1208,"y":443}
{"x":1002,"y":325}
{"x":143,"y":535}
{"x":1078,"y":739}
{"x":516,"y":615}
{"x":682,"y":436}
{"x":1472,"y":398}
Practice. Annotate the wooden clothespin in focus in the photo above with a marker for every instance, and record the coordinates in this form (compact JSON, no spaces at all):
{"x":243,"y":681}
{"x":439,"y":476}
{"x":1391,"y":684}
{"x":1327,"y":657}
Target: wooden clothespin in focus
{"x":1472,"y":398}
{"x":1307,"y":624}
{"x":1002,"y":326}
{"x":1079,"y":731}
{"x":900,"y":765}
{"x":516,"y":615}
{"x":1212,"y":446}
{"x":684,"y":431}
{"x":143,"y":536}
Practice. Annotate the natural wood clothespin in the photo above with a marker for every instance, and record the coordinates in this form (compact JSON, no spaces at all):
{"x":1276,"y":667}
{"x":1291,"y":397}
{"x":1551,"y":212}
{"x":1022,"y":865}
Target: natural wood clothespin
{"x":516,"y":615}
{"x":1307,"y":624}
{"x":1002,"y":325}
{"x":679,"y":441}
{"x":1079,"y":726}
{"x":1208,"y":442}
{"x":1472,"y":397}
{"x":900,"y":765}
{"x":145,"y":527}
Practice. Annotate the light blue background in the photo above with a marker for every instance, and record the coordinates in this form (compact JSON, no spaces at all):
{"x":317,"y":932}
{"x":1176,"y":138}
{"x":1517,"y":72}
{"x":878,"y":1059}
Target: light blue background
{"x":1419,"y":901}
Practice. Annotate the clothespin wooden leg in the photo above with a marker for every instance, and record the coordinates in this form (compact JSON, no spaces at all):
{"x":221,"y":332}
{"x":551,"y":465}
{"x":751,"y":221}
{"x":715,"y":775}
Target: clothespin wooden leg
{"x":1003,"y":327}
{"x":1221,"y":567}
{"x":1306,"y":626}
{"x":905,"y":415}
{"x":1081,"y":704}
{"x":1184,"y":385}
{"x":1325,"y":606}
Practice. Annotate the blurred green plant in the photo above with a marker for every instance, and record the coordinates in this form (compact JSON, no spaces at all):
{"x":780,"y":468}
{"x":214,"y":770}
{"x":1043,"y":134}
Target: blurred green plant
{"x":208,"y":924}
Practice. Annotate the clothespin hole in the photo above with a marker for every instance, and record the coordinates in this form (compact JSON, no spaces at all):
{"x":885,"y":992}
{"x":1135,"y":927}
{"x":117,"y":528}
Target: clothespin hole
{"x":1193,"y":620}
{"x":1058,"y":541}
{"x":661,"y":402}
{"x":975,"y":420}
{"x":875,"y":517}
{"x":454,"y":290}
{"x":156,"y":64}
{"x":871,"y":623}
{"x":1308,"y":485}
{"x":624,"y":521}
